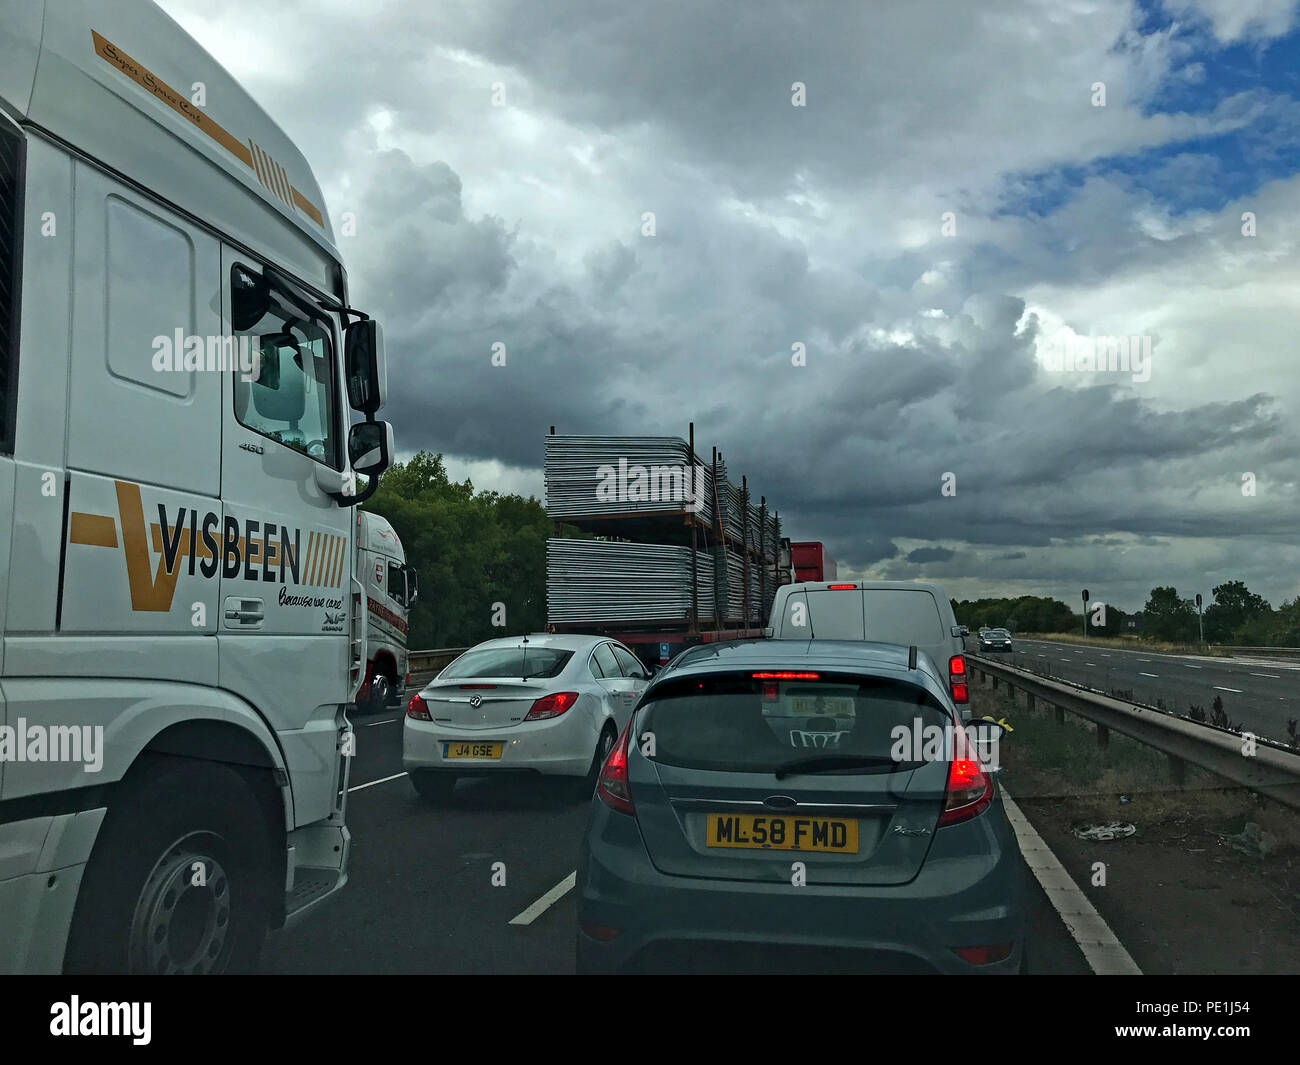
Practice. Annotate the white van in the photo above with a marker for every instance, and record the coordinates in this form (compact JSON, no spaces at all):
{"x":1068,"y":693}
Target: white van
{"x":181,"y":629}
{"x":899,"y":612}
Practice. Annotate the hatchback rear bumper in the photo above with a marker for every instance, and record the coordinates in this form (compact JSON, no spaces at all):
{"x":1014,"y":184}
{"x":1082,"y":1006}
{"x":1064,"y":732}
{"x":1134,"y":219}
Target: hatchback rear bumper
{"x":969,"y":893}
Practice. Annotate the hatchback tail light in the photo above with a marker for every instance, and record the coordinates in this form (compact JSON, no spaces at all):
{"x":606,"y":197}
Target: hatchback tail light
{"x":417,"y":709}
{"x":957,"y":679}
{"x":549,"y":706}
{"x":984,"y":955}
{"x":613,"y":787}
{"x":970,"y":788}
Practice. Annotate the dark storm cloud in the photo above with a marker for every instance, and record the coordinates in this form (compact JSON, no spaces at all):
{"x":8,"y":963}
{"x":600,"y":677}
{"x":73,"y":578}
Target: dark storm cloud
{"x":931,"y":554}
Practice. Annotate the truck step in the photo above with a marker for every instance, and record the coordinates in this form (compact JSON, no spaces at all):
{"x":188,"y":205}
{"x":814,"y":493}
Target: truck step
{"x":309,"y":884}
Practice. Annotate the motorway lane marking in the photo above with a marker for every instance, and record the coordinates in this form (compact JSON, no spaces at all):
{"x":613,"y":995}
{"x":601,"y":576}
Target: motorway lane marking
{"x":1274,"y":676}
{"x":547,"y":901}
{"x":1090,"y":663}
{"x":1104,"y":953}
{"x":1107,"y":656}
{"x":1042,"y":656}
{"x":1237,"y":690}
{"x":372,"y":783}
{"x":1140,"y":673}
{"x":1065,"y":660}
{"x":389,"y":721}
{"x":1191,"y":666}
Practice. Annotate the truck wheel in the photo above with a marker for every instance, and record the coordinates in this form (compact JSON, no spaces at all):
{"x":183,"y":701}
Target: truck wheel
{"x":381,"y":693}
{"x":180,"y":880}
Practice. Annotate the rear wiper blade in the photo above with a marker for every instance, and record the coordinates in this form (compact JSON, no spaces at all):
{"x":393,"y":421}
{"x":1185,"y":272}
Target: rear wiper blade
{"x":828,"y":762}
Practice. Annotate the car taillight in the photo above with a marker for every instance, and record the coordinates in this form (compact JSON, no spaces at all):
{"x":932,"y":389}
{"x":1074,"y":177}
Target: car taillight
{"x":984,"y":955}
{"x":957,"y":679}
{"x":970,"y":788}
{"x":549,"y":706}
{"x":841,"y":587}
{"x":418,"y":709}
{"x":613,"y":787}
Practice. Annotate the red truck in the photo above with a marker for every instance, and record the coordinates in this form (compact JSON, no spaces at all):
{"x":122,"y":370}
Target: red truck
{"x":812,"y":562}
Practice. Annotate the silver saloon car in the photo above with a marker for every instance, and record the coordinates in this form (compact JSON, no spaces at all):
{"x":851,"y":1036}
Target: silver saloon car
{"x":786,"y":808}
{"x":543,"y":704}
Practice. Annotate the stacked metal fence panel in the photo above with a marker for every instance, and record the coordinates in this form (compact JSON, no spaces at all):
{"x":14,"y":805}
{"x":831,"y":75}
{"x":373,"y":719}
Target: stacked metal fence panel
{"x":605,"y":581}
{"x":637,"y":493}
{"x":597,"y":476}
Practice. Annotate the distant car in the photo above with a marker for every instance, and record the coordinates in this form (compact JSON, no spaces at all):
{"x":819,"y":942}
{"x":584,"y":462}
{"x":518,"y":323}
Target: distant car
{"x":775,"y":825}
{"x":898,"y":612}
{"x":547,"y":704}
{"x":995,"y":640}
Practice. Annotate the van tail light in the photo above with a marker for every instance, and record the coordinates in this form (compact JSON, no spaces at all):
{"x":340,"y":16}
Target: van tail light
{"x":417,"y":709}
{"x":841,"y":587}
{"x":613,"y":787}
{"x":549,"y":706}
{"x":957,"y":679}
{"x":970,"y":788}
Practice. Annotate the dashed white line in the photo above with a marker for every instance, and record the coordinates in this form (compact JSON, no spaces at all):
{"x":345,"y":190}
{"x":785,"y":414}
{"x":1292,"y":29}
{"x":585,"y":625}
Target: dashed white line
{"x":1090,"y":663}
{"x":547,"y":901}
{"x":1273,"y":676}
{"x":387,"y":721}
{"x":1140,"y":673}
{"x":372,"y":783}
{"x":1219,"y":689}
{"x":1042,"y":656}
{"x":1103,"y":952}
{"x":1189,"y":666}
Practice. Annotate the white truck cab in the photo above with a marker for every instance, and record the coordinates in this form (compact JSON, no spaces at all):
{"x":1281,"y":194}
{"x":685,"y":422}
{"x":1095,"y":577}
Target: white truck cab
{"x":181,"y":630}
{"x":392,"y":588}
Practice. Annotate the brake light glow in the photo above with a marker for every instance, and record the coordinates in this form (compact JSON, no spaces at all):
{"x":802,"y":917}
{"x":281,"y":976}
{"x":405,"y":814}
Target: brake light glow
{"x":841,"y":587}
{"x":984,"y":955}
{"x":970,"y":788}
{"x":613,"y":787}
{"x":418,"y":709}
{"x":957,"y":679}
{"x":786,"y":676}
{"x":549,"y":706}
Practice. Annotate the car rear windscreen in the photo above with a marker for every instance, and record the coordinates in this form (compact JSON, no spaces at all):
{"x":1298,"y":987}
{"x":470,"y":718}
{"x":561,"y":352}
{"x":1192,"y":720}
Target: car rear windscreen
{"x":541,"y":662}
{"x":743,"y":724}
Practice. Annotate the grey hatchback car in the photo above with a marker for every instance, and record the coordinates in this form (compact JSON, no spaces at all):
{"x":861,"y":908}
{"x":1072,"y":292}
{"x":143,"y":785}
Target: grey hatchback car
{"x":792,"y":807}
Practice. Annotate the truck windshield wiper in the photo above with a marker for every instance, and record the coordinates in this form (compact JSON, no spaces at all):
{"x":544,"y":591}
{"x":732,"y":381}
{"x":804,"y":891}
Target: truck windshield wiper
{"x":828,"y":762}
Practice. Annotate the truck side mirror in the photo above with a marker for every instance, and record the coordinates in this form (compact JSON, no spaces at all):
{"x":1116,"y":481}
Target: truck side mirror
{"x":365,"y":366}
{"x":370,"y":447}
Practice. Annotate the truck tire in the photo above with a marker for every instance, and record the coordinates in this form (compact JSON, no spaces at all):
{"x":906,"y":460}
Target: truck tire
{"x":140,"y":910}
{"x":382,"y":687}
